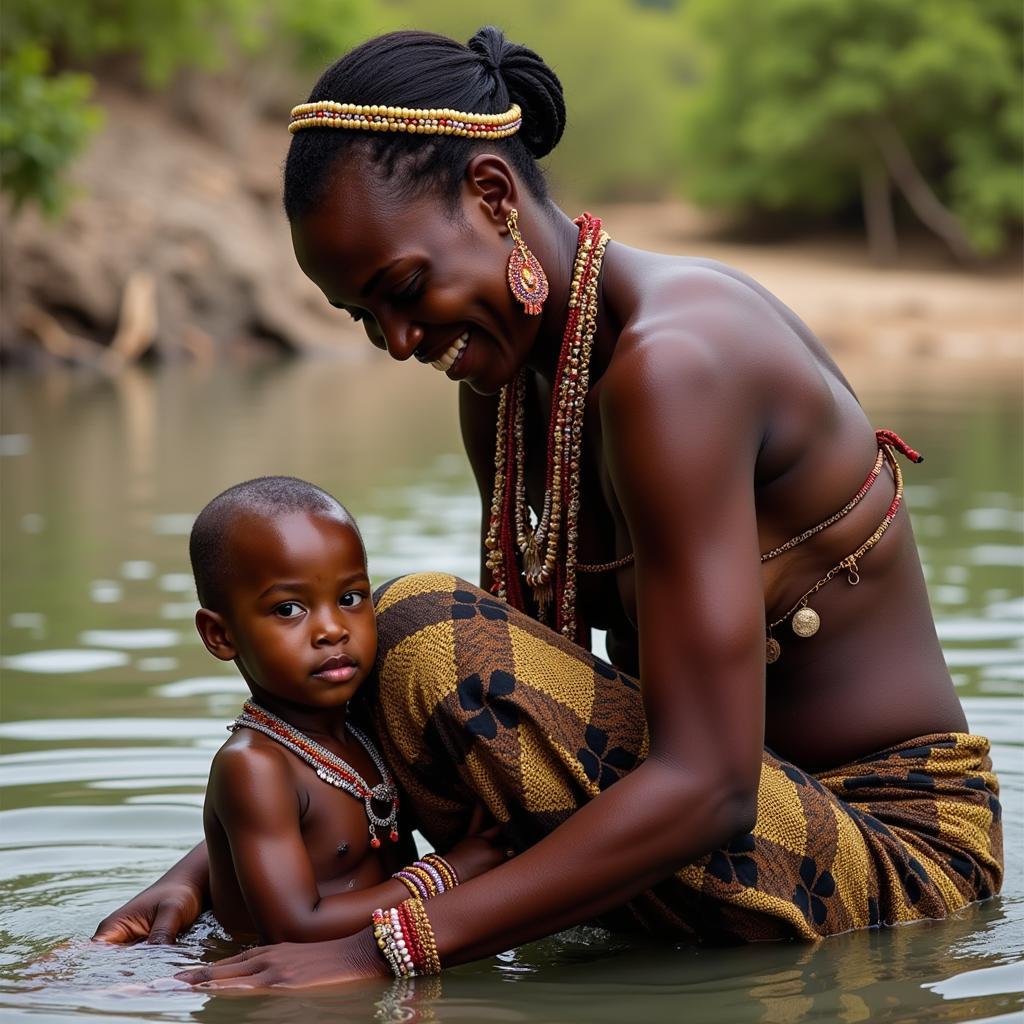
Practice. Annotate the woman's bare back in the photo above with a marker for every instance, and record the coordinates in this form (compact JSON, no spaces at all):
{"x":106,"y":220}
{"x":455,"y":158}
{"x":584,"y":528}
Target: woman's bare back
{"x":874,"y":673}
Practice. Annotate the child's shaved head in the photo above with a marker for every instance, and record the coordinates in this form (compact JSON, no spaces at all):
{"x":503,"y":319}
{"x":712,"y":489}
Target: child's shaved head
{"x":265,"y":496}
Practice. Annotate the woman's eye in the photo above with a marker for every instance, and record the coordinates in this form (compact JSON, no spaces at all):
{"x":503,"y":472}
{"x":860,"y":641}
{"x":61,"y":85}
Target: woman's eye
{"x":288,"y":610}
{"x":411,"y":289}
{"x":352,"y":599}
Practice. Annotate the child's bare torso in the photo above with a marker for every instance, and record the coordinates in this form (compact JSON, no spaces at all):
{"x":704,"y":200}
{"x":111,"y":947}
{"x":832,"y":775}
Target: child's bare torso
{"x":333,"y":825}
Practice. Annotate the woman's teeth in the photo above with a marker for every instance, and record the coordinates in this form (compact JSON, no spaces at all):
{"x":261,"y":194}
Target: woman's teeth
{"x":447,"y":361}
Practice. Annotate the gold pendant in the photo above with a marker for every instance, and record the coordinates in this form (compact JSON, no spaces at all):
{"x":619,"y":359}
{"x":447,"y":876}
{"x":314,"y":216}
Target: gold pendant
{"x":772,"y":650}
{"x":543,"y":595}
{"x":806,"y":622}
{"x":531,"y":557}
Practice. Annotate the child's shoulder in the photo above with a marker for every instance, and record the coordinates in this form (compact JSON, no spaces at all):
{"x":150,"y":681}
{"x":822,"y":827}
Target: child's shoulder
{"x":249,"y":759}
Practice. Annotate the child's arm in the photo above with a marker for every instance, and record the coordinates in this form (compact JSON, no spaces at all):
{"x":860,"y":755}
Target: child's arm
{"x":254,"y":799}
{"x":166,"y":907}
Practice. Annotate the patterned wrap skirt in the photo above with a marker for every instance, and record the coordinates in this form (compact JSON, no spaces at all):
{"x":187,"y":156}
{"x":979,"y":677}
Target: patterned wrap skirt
{"x":475,"y":702}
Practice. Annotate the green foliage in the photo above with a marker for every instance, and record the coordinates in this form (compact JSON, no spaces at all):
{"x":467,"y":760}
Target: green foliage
{"x":171,"y":34}
{"x":44,"y":122}
{"x":164,"y":35}
{"x":319,"y":31}
{"x":622,"y":64}
{"x":768,"y":105}
{"x":791,"y":93}
{"x":47,"y":119}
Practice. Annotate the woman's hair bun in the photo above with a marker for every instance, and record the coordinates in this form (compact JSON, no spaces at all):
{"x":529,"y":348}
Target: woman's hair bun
{"x":530,"y":83}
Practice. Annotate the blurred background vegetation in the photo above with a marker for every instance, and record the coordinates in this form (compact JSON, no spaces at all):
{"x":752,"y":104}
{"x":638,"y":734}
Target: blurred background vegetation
{"x":882,"y":112}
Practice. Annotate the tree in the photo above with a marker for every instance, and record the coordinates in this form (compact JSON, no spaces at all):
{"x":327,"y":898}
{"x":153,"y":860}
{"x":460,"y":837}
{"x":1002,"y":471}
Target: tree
{"x":812,"y":104}
{"x":44,"y":123}
{"x":47,"y":118}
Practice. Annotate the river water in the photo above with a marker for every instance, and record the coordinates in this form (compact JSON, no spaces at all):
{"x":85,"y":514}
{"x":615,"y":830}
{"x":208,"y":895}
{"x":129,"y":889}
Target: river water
{"x":112,"y":709}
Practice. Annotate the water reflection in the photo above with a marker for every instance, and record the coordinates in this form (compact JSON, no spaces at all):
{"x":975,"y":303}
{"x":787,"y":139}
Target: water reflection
{"x":111,"y":713}
{"x":58,"y":662}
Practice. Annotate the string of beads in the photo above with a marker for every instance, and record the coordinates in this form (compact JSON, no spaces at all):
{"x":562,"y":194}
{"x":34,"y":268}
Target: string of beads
{"x":406,"y":939}
{"x":806,"y":621}
{"x":329,"y":767}
{"x":428,"y":877}
{"x":415,"y":120}
{"x":511,"y":532}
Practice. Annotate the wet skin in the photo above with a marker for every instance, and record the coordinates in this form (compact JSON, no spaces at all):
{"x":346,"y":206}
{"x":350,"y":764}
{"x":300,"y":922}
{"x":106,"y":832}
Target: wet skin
{"x":289,"y":856}
{"x":716,"y":427}
{"x":298,"y":622}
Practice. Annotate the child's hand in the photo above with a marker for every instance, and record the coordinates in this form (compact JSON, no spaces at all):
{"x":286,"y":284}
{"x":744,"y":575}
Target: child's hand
{"x":476,"y":854}
{"x":156,"y":915}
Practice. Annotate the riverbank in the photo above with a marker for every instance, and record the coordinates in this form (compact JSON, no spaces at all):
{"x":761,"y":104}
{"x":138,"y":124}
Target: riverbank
{"x":177,"y":247}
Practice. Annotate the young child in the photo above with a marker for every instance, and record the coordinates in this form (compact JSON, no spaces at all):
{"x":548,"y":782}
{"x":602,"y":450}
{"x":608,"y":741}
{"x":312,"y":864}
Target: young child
{"x":301,"y":813}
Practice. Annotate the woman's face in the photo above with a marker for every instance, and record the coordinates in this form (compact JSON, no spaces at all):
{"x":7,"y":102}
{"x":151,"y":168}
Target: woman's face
{"x":423,"y":280}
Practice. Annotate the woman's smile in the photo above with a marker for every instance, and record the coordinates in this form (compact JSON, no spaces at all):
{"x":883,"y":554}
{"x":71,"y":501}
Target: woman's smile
{"x":451,"y":356}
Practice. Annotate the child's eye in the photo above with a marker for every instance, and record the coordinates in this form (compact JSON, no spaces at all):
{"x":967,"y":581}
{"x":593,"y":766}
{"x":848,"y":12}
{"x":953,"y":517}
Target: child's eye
{"x":352,"y":599}
{"x":288,"y":610}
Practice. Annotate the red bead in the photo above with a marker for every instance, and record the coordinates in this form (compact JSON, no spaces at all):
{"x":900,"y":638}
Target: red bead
{"x":375,"y":843}
{"x":394,"y":836}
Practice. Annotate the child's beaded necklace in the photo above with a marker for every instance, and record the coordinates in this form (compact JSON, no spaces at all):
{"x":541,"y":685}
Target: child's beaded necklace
{"x":328,"y":766}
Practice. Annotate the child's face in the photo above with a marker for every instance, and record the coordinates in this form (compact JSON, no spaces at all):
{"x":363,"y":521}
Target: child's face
{"x":299,"y":621}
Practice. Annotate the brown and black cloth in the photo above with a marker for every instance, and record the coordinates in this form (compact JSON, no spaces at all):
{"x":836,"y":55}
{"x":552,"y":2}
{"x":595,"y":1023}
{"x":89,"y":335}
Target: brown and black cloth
{"x":476,"y":702}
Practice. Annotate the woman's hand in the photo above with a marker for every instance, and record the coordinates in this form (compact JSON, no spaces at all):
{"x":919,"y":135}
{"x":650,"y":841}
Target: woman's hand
{"x":156,"y":915}
{"x":295,"y":965}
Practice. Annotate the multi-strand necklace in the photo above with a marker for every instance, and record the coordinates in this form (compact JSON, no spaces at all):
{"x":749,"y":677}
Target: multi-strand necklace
{"x":329,"y":767}
{"x":512,"y":532}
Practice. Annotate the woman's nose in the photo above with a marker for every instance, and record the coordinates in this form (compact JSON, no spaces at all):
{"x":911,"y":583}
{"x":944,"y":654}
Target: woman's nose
{"x":401,"y":337}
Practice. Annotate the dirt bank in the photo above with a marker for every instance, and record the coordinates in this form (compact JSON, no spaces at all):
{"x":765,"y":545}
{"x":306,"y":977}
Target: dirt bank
{"x":178,"y":245}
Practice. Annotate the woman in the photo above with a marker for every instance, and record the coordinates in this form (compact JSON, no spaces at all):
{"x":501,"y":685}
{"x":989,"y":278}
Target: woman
{"x":709,"y":492}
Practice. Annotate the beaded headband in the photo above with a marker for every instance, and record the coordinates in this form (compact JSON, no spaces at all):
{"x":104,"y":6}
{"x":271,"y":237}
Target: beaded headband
{"x":433,"y":121}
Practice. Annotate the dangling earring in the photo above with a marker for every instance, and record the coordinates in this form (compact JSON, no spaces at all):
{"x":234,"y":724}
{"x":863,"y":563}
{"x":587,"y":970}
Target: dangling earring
{"x":526,"y":276}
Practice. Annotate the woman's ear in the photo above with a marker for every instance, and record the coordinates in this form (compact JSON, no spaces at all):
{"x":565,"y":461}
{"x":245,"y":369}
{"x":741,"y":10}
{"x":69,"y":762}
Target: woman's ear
{"x":490,"y":183}
{"x":215,"y":634}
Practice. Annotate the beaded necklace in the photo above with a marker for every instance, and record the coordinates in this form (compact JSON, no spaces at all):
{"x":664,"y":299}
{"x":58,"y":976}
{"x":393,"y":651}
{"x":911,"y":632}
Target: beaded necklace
{"x":538,"y":544}
{"x":328,"y":766}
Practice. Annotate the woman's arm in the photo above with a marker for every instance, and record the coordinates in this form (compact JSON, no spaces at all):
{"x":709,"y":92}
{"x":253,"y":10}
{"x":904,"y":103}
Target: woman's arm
{"x":680,"y":440}
{"x":159,"y":913}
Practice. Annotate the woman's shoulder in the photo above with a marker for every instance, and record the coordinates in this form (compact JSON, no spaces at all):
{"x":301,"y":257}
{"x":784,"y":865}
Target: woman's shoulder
{"x":700,"y":319}
{"x":692,"y":295}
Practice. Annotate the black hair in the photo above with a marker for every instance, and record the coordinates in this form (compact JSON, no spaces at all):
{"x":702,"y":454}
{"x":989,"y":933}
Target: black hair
{"x":267,"y":496}
{"x":422,"y":69}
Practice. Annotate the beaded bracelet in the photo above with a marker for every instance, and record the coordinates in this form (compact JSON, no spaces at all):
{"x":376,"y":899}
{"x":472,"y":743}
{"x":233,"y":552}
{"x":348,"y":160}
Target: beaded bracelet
{"x":406,"y":939}
{"x":387,"y":932}
{"x":428,"y":877}
{"x":423,"y":938}
{"x":450,"y":875}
